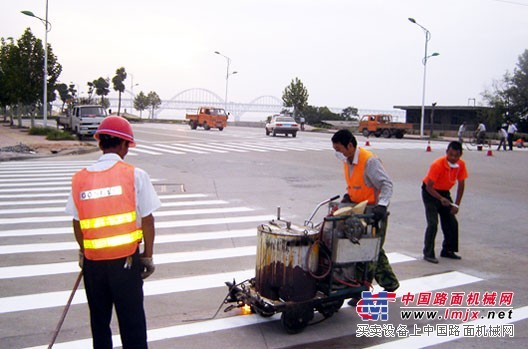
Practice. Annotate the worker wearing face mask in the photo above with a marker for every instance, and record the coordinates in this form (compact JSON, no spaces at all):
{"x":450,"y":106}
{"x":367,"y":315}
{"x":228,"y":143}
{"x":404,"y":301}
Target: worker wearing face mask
{"x":443,"y":173}
{"x":367,"y":179}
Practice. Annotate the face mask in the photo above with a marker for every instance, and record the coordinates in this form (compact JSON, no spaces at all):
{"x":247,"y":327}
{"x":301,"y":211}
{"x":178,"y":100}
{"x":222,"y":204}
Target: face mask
{"x":340,"y":156}
{"x":452,"y":165}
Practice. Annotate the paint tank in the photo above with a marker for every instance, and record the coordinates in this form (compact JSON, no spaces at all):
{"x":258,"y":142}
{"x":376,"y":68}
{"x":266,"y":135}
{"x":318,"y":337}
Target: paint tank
{"x":283,"y":269}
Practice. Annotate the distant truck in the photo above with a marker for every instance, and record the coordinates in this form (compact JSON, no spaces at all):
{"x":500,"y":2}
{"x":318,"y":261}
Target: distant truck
{"x":208,"y":117}
{"x":382,"y":125}
{"x":83,"y":120}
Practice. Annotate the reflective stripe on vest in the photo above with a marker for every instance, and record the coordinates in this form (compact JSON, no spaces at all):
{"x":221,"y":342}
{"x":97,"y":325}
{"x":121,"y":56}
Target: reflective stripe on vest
{"x":108,"y":221}
{"x":106,"y":203}
{"x":357,"y":188}
{"x":113,"y":241}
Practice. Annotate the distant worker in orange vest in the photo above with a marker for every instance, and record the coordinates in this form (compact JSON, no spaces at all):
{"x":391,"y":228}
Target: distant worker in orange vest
{"x":367,"y":179}
{"x":112,"y":204}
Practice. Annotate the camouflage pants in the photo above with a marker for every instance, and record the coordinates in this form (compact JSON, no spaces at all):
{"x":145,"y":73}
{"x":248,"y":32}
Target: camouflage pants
{"x":380,"y":270}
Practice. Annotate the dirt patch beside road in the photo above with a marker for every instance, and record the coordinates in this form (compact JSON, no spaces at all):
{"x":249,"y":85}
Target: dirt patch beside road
{"x":16,"y":144}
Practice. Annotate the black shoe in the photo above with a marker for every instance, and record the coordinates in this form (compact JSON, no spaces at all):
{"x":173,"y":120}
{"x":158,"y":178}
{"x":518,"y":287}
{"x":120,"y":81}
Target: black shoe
{"x":393,"y":287}
{"x":353,"y":302}
{"x":451,"y":255}
{"x":431,"y":259}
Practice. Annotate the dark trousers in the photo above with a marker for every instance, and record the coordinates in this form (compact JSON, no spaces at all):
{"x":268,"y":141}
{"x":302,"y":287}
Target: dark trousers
{"x":510,"y":141}
{"x":502,"y":143}
{"x":109,"y":284}
{"x":448,"y":222}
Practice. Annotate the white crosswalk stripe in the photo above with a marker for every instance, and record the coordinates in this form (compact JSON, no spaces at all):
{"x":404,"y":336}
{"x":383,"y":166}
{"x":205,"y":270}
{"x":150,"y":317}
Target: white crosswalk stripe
{"x":263,"y":146}
{"x":183,"y":220}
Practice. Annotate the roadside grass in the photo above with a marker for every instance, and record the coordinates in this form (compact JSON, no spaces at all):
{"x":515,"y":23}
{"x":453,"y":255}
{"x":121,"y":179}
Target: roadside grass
{"x":52,"y":134}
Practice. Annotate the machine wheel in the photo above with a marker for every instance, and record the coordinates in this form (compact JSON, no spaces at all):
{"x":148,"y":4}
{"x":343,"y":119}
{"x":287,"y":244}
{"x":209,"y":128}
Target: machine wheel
{"x":329,"y":308}
{"x":297,"y":318}
{"x":206,"y":127}
{"x":365,"y":132}
{"x":386,"y":133}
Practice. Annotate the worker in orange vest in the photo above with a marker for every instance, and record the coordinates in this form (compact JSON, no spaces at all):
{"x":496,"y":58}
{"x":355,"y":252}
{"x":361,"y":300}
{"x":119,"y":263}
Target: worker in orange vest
{"x":367,"y":179}
{"x":112,"y":204}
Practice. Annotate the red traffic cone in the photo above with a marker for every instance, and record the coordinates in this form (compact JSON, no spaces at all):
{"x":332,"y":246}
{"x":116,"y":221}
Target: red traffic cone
{"x":490,"y":153}
{"x":367,"y":143}
{"x":428,"y":149}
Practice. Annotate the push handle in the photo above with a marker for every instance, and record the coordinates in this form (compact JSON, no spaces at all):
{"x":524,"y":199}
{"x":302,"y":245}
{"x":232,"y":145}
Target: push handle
{"x":309,"y":220}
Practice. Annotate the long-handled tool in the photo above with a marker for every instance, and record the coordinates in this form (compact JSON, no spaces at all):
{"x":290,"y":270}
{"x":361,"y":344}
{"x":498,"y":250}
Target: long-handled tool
{"x":65,"y":311}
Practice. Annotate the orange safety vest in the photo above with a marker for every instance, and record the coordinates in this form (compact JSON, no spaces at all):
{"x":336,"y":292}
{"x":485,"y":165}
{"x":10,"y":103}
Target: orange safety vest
{"x":106,"y":203}
{"x":357,"y":188}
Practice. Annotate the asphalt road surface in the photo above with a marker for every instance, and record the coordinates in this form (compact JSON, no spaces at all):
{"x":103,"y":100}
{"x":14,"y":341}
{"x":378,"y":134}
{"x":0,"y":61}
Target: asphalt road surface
{"x":216,"y":188}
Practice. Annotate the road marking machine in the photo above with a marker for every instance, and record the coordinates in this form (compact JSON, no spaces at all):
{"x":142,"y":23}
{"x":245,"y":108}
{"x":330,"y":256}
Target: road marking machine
{"x":308,"y":268}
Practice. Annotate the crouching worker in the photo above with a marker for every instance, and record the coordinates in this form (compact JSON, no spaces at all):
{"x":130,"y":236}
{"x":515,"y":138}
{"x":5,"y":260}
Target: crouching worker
{"x":367,"y":179}
{"x":112,"y":204}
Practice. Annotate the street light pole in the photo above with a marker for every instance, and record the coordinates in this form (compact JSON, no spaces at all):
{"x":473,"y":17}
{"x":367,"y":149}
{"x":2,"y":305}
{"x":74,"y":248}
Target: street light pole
{"x":47,"y":24}
{"x":424,"y":62}
{"x":227,"y":77}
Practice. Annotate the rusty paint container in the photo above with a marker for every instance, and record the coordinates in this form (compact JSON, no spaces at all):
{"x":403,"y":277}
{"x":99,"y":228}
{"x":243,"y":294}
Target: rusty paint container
{"x":283,"y":265}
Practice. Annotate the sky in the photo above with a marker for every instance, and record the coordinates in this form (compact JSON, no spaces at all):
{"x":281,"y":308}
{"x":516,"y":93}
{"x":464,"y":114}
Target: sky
{"x":360,"y":53}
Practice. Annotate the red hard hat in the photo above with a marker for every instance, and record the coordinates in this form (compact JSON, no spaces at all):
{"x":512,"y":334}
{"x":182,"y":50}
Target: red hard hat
{"x":116,"y":126}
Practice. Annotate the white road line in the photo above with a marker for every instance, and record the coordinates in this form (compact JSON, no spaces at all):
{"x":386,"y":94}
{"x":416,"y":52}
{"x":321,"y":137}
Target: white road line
{"x":29,"y":190}
{"x":206,"y":147}
{"x":33,"y":184}
{"x":229,"y":147}
{"x":159,"y":258}
{"x":37,"y":177}
{"x":423,"y":341}
{"x":61,"y":208}
{"x":33,"y":195}
{"x":170,"y":213}
{"x":150,"y":288}
{"x":247,"y":147}
{"x":139,"y":148}
{"x":50,"y":299}
{"x":155,"y":287}
{"x":170,"y":148}
{"x":34,"y":202}
{"x":157,"y":148}
{"x":166,"y":225}
{"x":188,"y":148}
{"x":159,"y":225}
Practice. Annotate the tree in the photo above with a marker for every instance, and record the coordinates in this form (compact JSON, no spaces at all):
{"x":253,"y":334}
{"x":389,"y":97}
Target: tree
{"x":91,"y":90}
{"x":64,"y":94}
{"x":101,"y":88}
{"x":315,"y":115}
{"x":154,"y":102}
{"x":141,"y":102}
{"x":72,"y":90}
{"x":21,"y":65}
{"x":349,"y":113}
{"x":119,"y":85}
{"x":509,"y":96}
{"x":295,"y":95}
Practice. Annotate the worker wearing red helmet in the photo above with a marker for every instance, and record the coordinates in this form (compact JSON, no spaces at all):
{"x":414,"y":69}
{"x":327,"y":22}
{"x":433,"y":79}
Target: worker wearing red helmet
{"x":112,"y":204}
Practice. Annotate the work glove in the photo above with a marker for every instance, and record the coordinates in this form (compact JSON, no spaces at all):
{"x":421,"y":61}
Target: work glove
{"x":81,"y":259}
{"x":380,"y":212}
{"x":147,"y":265}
